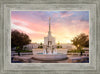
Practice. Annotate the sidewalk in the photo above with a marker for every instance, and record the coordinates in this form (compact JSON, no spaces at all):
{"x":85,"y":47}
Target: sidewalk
{"x":71,"y":59}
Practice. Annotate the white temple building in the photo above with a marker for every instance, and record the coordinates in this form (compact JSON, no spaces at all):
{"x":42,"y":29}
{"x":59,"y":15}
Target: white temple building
{"x":49,"y":40}
{"x":30,"y":46}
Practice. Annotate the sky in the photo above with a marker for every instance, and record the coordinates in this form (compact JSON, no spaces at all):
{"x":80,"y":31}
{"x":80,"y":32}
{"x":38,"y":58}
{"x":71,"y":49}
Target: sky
{"x":65,"y":25}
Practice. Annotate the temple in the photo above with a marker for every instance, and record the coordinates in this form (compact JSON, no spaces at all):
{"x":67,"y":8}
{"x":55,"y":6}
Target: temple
{"x":49,"y":40}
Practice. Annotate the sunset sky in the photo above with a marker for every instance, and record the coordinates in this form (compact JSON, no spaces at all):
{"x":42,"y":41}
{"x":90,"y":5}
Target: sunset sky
{"x":64,"y":24}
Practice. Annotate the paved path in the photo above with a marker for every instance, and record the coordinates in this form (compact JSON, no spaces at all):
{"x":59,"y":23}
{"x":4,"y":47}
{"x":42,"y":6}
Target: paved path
{"x":70,"y":59}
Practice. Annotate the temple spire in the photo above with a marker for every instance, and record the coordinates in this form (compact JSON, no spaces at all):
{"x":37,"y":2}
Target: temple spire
{"x":49,"y":32}
{"x":49,"y":24}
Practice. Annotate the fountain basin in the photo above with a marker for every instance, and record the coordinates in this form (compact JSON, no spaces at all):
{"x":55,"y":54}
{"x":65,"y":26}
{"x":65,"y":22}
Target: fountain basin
{"x":49,"y":57}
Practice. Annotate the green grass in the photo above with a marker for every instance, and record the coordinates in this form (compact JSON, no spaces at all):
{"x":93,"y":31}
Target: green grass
{"x":76,"y":51}
{"x":23,"y":51}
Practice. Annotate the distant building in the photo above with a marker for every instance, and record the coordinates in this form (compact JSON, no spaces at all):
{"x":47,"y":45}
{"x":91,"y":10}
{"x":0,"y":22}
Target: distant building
{"x":30,"y":46}
{"x":68,"y":46}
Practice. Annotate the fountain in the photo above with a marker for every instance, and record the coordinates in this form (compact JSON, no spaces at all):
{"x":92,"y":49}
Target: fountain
{"x":49,"y":51}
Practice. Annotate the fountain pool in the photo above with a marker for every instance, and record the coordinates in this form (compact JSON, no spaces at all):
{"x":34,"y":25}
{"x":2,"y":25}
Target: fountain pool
{"x":50,"y":57}
{"x":59,"y":54}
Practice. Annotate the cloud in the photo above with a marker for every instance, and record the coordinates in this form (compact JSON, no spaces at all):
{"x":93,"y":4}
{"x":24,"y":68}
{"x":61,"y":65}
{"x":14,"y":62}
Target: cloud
{"x":26,"y":30}
{"x":66,"y":14}
{"x":19,"y":22}
{"x":80,"y":15}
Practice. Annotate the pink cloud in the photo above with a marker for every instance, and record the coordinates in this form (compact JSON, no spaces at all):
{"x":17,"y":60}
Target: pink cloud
{"x":66,"y":15}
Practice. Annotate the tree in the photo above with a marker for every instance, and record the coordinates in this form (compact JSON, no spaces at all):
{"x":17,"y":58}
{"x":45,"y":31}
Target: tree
{"x":81,"y":41}
{"x":58,"y":45}
{"x":19,"y":39}
{"x":40,"y":46}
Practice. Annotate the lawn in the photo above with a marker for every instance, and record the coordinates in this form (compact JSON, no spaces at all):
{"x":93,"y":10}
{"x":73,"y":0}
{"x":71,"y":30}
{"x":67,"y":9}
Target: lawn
{"x":23,"y":51}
